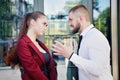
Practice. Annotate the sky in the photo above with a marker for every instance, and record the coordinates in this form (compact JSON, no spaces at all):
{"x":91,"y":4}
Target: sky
{"x":103,"y":4}
{"x":53,"y":6}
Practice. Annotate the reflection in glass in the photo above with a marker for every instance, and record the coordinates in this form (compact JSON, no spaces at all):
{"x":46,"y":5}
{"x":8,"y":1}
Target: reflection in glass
{"x":58,"y":28}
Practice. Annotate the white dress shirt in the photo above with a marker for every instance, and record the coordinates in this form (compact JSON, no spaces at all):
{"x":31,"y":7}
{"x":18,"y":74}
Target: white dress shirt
{"x":93,"y":60}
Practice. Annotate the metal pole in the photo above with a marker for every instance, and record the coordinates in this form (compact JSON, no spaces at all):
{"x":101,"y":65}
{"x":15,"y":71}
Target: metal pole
{"x":114,"y":31}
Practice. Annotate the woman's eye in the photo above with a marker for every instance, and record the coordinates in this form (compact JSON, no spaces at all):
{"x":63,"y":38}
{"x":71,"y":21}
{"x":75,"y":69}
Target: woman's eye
{"x":45,"y":24}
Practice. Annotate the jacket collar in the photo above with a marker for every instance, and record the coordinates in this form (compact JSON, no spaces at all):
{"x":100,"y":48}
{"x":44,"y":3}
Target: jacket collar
{"x":32,"y":45}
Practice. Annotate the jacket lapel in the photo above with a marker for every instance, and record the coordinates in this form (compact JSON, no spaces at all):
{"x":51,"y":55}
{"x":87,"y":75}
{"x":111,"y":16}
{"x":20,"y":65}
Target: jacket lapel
{"x":36,"y":50}
{"x":43,"y":45}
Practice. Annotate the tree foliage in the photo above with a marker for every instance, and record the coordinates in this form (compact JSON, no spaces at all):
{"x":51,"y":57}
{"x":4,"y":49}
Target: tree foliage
{"x":103,"y":22}
{"x":5,"y":19}
{"x":4,"y":9}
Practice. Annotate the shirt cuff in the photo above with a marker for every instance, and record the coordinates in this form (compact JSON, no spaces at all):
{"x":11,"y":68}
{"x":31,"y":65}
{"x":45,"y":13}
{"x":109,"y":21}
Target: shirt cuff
{"x":73,"y":57}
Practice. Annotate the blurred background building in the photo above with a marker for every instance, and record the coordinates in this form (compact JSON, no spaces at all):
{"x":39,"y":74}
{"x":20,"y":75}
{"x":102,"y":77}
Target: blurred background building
{"x":11,"y":13}
{"x":104,"y":15}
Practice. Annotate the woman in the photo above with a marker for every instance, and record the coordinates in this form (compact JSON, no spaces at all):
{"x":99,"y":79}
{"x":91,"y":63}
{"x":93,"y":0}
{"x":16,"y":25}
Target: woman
{"x":35,"y":60}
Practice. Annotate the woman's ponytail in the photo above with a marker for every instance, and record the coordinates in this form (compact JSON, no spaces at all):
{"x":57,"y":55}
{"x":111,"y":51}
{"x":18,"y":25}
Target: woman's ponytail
{"x":12,"y":58}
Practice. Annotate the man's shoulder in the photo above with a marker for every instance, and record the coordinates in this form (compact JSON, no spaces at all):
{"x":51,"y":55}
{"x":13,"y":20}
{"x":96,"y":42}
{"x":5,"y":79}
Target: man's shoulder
{"x":95,"y":33}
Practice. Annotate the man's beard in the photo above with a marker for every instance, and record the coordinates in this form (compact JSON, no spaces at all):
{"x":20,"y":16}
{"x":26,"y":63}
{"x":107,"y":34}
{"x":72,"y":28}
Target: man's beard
{"x":75,"y":30}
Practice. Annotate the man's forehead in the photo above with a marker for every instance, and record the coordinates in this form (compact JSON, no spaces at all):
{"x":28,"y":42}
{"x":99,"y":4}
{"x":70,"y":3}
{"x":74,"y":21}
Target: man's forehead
{"x":71,"y":14}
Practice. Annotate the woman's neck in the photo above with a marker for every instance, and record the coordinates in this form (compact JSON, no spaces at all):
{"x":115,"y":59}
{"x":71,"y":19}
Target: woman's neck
{"x":31,"y":35}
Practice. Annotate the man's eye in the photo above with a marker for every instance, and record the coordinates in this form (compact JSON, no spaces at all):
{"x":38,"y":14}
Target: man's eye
{"x":46,"y":25}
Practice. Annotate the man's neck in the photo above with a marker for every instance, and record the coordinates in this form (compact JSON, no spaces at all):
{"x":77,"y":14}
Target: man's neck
{"x":87,"y":24}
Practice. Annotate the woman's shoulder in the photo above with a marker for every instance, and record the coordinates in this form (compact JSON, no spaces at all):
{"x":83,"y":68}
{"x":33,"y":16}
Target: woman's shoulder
{"x":24,"y":39}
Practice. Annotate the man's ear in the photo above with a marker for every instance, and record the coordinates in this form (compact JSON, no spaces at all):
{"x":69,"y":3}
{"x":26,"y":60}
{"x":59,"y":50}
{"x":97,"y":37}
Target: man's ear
{"x":80,"y":18}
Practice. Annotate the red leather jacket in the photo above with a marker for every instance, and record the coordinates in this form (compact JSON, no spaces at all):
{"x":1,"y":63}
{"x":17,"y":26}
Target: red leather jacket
{"x":33,"y":61}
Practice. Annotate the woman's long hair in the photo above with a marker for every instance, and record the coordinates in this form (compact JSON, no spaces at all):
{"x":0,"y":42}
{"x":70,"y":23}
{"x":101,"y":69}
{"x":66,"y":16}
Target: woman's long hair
{"x":12,"y":58}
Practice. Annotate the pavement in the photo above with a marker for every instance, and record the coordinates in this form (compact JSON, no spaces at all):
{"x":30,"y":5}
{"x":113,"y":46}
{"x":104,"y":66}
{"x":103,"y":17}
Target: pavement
{"x":7,"y":73}
{"x":61,"y":69}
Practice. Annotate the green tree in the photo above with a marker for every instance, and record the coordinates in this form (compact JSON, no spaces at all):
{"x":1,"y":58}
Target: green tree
{"x":4,"y":9}
{"x":103,"y":23}
{"x":5,"y":19}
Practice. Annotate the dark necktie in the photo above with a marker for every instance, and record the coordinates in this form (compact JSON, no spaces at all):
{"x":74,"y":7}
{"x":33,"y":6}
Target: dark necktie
{"x":72,"y":70}
{"x":80,"y":38}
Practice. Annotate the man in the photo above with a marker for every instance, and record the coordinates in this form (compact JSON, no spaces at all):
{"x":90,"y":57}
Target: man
{"x":93,"y":59}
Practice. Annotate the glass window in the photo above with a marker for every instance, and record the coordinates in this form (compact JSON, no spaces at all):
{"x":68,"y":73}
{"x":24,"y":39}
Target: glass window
{"x":102,"y":19}
{"x":57,"y":12}
{"x":58,"y":17}
{"x":101,"y":16}
{"x":10,"y":17}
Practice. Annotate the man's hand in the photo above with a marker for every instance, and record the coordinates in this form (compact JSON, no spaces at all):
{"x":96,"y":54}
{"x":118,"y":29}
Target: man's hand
{"x":62,"y":49}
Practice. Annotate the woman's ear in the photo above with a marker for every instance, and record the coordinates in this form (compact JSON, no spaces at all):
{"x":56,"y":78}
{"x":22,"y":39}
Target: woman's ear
{"x":32,"y":21}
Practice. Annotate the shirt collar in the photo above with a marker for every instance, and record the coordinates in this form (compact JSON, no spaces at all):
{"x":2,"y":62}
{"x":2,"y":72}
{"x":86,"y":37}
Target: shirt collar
{"x":86,"y":30}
